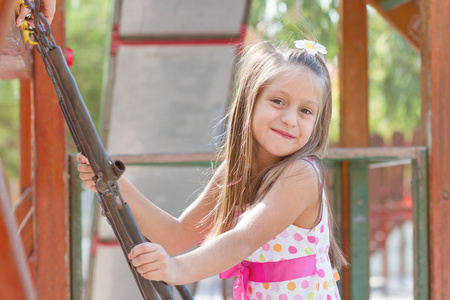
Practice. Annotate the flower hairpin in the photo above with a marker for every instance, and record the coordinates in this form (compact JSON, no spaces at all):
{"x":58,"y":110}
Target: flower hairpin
{"x":310,"y":47}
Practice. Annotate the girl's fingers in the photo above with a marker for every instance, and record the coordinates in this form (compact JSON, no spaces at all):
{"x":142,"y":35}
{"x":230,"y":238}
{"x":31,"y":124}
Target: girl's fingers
{"x":82,"y":159}
{"x":22,"y":14}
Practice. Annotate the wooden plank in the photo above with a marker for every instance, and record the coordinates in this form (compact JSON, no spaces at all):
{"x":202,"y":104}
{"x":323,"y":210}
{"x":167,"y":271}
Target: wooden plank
{"x":23,"y":205}
{"x":15,"y":57}
{"x":167,"y":159}
{"x":404,"y":18}
{"x":26,"y":133}
{"x":354,"y":125}
{"x":51,"y":182}
{"x":353,"y":76}
{"x":359,"y":230}
{"x":76,"y":231}
{"x":420,"y":217}
{"x":15,"y":280}
{"x":436,"y":124}
{"x":6,"y":16}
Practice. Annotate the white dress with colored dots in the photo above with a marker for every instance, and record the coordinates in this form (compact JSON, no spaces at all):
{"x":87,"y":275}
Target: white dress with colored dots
{"x":295,"y":242}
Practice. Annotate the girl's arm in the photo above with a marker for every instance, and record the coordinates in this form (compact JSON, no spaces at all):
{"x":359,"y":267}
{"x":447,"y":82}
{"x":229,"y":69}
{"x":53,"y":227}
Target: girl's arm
{"x":292,"y":194}
{"x":176,"y":235}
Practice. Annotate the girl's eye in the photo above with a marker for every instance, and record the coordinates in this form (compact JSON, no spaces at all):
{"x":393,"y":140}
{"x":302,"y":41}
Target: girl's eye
{"x":306,"y":111}
{"x":277,"y":101}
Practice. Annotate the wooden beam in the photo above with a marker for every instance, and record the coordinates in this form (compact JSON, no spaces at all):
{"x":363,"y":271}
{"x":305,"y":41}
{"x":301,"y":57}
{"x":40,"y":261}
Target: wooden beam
{"x":435,"y":88}
{"x":404,"y":18}
{"x":354,"y":125}
{"x":51,"y":181}
{"x":15,"y":280}
{"x":6,"y":17}
{"x":353,"y":74}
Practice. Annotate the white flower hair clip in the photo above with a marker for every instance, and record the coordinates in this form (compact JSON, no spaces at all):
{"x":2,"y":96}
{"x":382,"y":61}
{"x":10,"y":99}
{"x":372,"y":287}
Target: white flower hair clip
{"x":310,"y":47}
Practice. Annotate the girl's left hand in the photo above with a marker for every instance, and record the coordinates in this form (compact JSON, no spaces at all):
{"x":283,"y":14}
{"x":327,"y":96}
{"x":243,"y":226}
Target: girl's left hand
{"x":153,"y":263}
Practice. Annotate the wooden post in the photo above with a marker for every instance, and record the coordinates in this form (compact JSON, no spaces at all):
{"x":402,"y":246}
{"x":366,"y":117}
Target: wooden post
{"x":435,"y":76}
{"x":15,"y":280}
{"x":354,"y":126}
{"x":6,"y":18}
{"x":51,"y":180}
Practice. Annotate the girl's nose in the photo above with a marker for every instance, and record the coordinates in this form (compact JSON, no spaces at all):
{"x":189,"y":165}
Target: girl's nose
{"x":289,"y":118}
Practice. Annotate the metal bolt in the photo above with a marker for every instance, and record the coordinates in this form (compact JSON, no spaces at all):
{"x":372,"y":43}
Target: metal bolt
{"x":446,"y":195}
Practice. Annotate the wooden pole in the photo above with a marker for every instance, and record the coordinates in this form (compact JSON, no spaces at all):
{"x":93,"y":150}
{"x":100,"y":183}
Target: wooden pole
{"x":354,"y":126}
{"x":436,"y":131}
{"x":51,"y":180}
{"x":6,"y":18}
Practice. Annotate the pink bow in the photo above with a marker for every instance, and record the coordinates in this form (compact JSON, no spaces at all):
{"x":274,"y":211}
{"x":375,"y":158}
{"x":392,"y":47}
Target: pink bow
{"x":274,"y":271}
{"x":240,"y":285}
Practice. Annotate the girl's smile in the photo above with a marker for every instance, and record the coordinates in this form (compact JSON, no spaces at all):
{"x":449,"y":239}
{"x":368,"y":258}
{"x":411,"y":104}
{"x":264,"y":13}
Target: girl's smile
{"x":284,"y":115}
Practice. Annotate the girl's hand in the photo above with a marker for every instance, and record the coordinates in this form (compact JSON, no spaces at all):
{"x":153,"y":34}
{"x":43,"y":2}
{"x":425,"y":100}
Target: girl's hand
{"x":153,"y":263}
{"x":86,"y":172}
{"x":47,"y":8}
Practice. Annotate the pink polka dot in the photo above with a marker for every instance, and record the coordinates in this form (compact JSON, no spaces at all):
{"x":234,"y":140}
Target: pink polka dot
{"x":259,"y":295}
{"x":268,"y":297}
{"x":322,"y":228}
{"x":298,"y":297}
{"x":292,"y":250}
{"x":275,"y":287}
{"x":311,"y":239}
{"x":266,"y":247}
{"x":298,"y":237}
{"x":321,"y":273}
{"x":328,"y":297}
{"x":317,"y":240}
{"x":284,"y":234}
{"x":305,"y":284}
{"x":283,"y":297}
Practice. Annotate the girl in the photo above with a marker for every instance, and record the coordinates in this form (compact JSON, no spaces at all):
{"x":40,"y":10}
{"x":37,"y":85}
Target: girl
{"x":264,"y":211}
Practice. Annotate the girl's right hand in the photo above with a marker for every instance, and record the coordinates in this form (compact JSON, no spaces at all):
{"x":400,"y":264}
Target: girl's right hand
{"x":86,"y":172}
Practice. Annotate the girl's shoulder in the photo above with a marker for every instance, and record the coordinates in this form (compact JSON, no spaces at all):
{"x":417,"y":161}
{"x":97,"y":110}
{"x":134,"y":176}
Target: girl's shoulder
{"x":309,"y":166}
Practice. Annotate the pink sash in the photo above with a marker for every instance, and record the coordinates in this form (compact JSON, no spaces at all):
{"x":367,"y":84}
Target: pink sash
{"x":269,"y":272}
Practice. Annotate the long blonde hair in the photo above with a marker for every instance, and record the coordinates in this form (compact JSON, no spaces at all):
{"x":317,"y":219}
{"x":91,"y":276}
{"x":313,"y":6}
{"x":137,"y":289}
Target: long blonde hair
{"x":260,"y":64}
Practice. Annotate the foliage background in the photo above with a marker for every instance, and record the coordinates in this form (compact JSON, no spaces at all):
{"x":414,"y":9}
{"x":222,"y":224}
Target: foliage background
{"x":394,"y":68}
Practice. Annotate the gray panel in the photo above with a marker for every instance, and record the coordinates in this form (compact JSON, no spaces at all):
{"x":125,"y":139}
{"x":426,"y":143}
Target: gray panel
{"x":181,"y":17}
{"x":168,"y":99}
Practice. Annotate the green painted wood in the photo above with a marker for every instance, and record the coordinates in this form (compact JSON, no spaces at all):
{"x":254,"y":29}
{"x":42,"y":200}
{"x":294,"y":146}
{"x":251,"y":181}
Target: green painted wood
{"x":359,"y":230}
{"x":334,"y":186}
{"x":391,"y":4}
{"x":420,"y":221}
{"x":76,"y":234}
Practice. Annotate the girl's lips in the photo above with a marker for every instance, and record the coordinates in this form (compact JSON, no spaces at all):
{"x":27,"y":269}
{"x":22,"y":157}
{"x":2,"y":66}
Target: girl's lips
{"x":283,"y":134}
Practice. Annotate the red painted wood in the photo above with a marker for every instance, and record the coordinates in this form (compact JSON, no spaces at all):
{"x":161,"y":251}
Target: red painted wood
{"x":404,"y":18}
{"x":50,"y":183}
{"x":353,"y":85}
{"x":15,"y":280}
{"x":436,"y":124}
{"x":6,"y":16}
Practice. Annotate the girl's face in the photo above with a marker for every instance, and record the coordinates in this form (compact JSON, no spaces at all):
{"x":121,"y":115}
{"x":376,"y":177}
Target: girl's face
{"x":284,"y":115}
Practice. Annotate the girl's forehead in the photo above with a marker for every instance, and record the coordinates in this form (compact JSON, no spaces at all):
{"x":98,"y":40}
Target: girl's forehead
{"x":297,"y":80}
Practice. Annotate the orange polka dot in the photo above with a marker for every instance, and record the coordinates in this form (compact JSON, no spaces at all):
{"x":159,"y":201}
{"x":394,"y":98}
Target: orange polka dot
{"x":325,"y":285}
{"x":250,"y":290}
{"x":336,"y":276}
{"x":291,"y":286}
{"x":277,"y":247}
{"x":317,"y":286}
{"x":266,"y":285}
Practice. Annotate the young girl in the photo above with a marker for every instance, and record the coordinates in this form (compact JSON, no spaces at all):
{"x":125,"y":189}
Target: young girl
{"x":264,"y":215}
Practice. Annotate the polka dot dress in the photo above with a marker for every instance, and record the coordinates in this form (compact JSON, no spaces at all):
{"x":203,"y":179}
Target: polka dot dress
{"x":292,"y":243}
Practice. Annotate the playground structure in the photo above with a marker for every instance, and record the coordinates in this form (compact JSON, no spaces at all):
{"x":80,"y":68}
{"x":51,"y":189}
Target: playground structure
{"x":49,"y":242}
